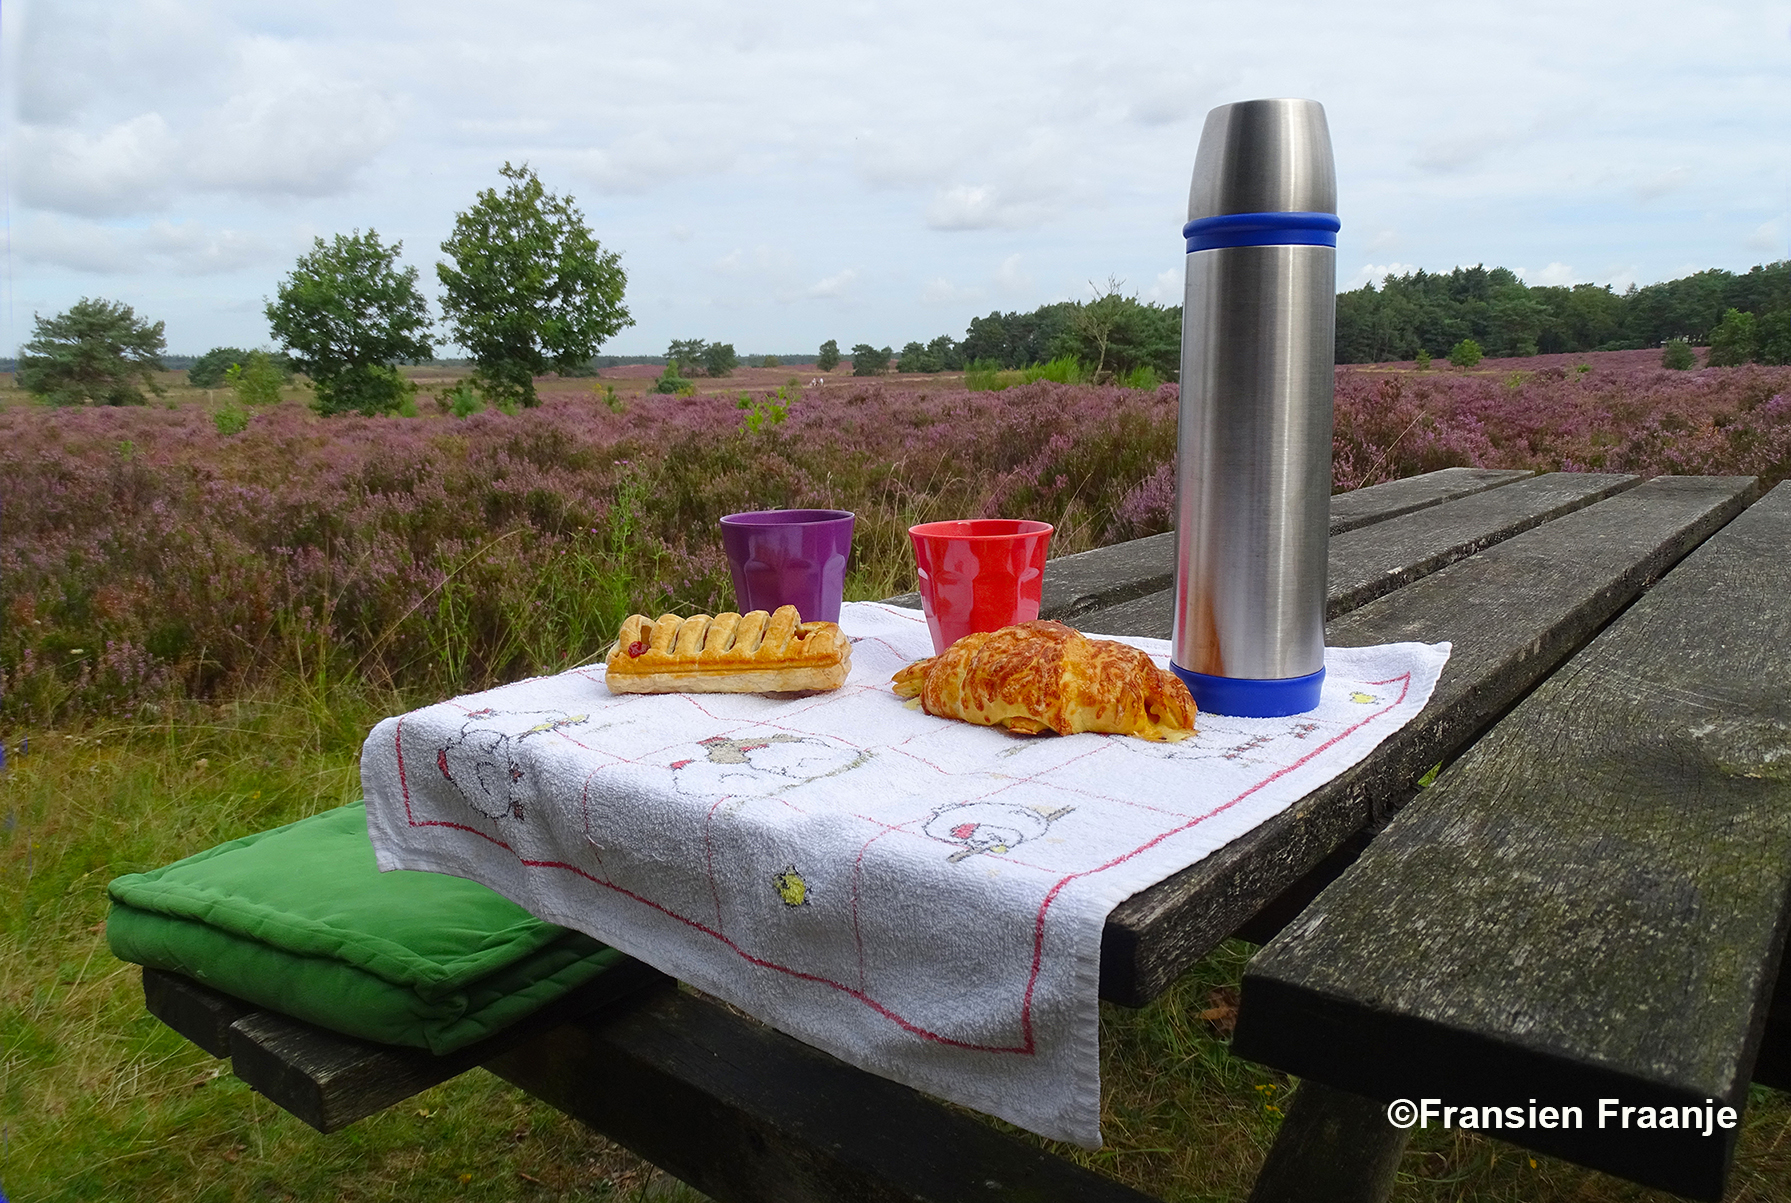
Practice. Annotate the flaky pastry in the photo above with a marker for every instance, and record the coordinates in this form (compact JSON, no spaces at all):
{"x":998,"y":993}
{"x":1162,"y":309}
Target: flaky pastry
{"x":729,"y":653}
{"x":1043,"y":676}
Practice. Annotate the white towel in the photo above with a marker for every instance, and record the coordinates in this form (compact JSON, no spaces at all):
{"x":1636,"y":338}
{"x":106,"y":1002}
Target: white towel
{"x":921,"y":897}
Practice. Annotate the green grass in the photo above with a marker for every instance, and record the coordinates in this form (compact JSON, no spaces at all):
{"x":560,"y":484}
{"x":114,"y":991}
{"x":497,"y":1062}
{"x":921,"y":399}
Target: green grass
{"x":98,"y":1100}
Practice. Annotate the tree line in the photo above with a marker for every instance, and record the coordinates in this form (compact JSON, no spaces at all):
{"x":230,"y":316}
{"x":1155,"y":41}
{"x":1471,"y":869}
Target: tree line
{"x":529,"y":290}
{"x":1112,"y":336}
{"x":526,"y":289}
{"x":1429,"y":313}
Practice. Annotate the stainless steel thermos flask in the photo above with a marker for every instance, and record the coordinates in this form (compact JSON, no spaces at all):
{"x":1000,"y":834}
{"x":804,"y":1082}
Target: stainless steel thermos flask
{"x":1254,"y":486}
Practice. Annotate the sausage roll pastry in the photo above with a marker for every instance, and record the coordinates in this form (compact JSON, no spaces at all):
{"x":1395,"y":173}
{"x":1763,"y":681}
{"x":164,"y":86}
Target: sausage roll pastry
{"x":729,"y":653}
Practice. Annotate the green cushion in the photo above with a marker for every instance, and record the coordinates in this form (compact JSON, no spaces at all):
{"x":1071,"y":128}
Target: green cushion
{"x":300,"y":919}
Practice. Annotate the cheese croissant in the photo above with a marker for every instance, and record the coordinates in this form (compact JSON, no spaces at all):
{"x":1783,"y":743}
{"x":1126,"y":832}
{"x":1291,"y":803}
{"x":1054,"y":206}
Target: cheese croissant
{"x":1044,"y":676}
{"x":729,"y":653}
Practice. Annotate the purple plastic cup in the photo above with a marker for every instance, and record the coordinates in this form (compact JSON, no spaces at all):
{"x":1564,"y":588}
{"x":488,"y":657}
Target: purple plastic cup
{"x":789,"y":558}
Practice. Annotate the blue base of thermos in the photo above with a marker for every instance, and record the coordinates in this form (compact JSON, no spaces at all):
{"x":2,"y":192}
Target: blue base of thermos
{"x":1253,"y":698}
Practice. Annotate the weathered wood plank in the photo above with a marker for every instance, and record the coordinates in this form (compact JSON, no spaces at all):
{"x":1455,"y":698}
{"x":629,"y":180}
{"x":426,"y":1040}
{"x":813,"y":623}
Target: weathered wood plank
{"x":746,"y":1114}
{"x":1592,"y":903}
{"x":1359,"y":507}
{"x":1370,"y":562}
{"x":1513,"y":612}
{"x":198,"y":1012}
{"x":1373,"y":561}
{"x":1334,"y":1146}
{"x":330,"y":1080}
{"x":1106,"y":576}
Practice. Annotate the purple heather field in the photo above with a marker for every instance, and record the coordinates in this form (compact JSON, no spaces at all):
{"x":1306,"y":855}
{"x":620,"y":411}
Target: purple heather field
{"x":146,"y":556}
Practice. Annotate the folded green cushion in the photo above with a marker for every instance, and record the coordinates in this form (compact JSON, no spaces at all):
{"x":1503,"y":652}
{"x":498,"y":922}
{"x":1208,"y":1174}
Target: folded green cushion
{"x":300,"y":920}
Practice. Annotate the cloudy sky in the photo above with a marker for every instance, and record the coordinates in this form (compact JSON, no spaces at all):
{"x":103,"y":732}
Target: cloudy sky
{"x":778,"y":174}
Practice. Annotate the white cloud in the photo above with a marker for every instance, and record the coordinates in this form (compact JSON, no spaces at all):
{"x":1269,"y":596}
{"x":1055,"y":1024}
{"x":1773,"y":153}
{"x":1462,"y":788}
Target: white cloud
{"x":185,"y":249}
{"x":1658,"y":186}
{"x":967,"y":207}
{"x":647,"y":159}
{"x":1554,"y":275}
{"x":1370,"y":273}
{"x":942,"y":292}
{"x":1010,"y":278}
{"x":284,"y":131}
{"x":1766,"y":239}
{"x":1168,"y":288}
{"x":865,"y":137}
{"x":833,"y":286}
{"x":126,"y":168}
{"x":288,"y":130}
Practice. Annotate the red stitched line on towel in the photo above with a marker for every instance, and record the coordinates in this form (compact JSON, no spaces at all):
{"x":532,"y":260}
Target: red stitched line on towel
{"x":1027,"y":1045}
{"x":1038,"y":930}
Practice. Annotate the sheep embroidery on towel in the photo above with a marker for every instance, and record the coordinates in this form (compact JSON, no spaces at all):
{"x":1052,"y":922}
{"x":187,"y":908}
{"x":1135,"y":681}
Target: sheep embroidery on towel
{"x":996,"y":827}
{"x":482,"y":760}
{"x":762,"y":765}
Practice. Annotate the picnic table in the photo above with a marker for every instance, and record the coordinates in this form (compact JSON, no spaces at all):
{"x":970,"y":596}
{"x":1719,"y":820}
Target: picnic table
{"x":1589,"y":902}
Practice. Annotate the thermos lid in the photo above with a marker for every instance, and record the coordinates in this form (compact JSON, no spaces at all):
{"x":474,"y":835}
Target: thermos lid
{"x":1264,"y":156}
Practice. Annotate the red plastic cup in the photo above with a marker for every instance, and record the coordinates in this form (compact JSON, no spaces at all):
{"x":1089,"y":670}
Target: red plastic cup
{"x":979,"y":574}
{"x":789,"y":558}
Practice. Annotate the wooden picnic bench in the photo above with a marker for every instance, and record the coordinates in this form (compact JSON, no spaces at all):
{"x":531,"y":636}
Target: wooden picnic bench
{"x":1520,"y":573}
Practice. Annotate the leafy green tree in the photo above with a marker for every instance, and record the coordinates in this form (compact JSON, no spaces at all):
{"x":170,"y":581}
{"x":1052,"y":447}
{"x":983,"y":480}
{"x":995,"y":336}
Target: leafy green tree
{"x":1677,"y":354}
{"x":671,"y":383}
{"x":1734,"y":340}
{"x":914,"y":358}
{"x":686,"y":351}
{"x":719,"y":359}
{"x":1775,"y":337}
{"x":945,"y":352}
{"x":770,"y":361}
{"x":99,"y":352}
{"x":829,"y":358}
{"x":211,"y":369}
{"x":1421,"y":360}
{"x":869,"y":361}
{"x":256,"y":380}
{"x":1465,"y":354}
{"x":531,"y":290}
{"x":348,"y":315}
{"x":208,"y":370}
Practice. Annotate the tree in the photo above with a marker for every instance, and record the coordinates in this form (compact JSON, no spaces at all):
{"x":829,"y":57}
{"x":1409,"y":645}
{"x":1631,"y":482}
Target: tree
{"x":99,"y":351}
{"x":869,"y":361}
{"x":1421,"y":360}
{"x":256,"y":380}
{"x":208,"y":370}
{"x":348,"y":315}
{"x":531,"y":290}
{"x":1775,"y":337}
{"x":830,"y":356}
{"x":914,"y":358}
{"x":1677,"y":354}
{"x":1465,"y":354}
{"x":1733,"y":342}
{"x":687,"y":351}
{"x":945,"y":352}
{"x":719,"y":359}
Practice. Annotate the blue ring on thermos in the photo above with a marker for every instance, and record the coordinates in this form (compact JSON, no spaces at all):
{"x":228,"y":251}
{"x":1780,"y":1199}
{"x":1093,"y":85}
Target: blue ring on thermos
{"x":1262,"y":229}
{"x":1247,"y":697}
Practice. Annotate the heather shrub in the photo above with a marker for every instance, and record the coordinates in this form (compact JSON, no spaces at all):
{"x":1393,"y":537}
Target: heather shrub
{"x":441,"y":554}
{"x":149,"y":555}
